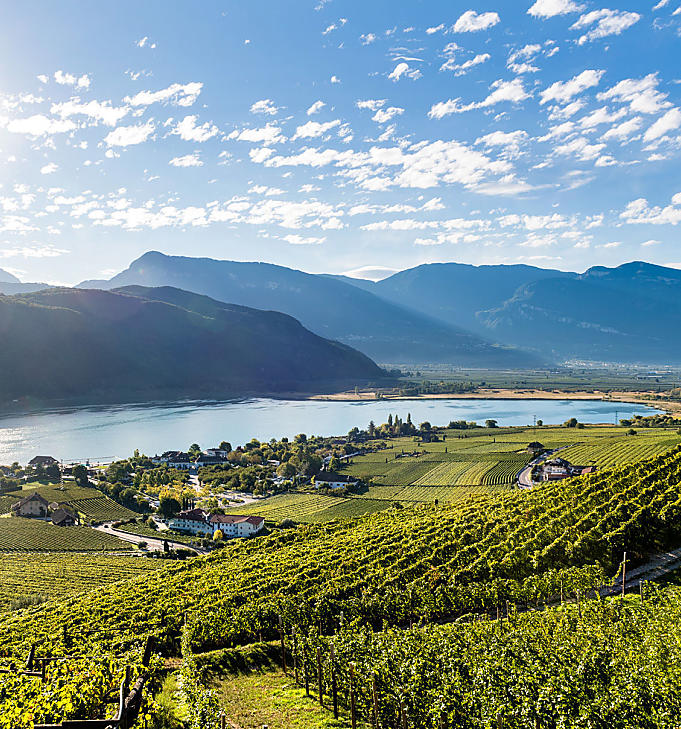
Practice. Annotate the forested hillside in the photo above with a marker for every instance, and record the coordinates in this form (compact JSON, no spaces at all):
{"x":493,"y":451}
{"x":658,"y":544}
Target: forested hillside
{"x":88,"y":345}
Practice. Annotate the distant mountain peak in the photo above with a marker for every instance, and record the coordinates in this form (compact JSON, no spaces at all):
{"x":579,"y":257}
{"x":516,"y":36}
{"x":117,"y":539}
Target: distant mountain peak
{"x":7,"y":277}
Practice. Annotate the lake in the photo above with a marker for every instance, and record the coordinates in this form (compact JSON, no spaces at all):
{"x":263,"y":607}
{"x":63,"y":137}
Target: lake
{"x":105,"y":433}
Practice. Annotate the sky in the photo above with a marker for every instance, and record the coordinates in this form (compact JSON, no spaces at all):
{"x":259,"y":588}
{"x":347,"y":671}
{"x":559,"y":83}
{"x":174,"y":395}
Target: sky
{"x":338,"y":136}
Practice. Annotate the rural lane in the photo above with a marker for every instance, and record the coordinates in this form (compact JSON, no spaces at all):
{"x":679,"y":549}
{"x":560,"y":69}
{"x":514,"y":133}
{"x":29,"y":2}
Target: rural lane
{"x":151,"y":542}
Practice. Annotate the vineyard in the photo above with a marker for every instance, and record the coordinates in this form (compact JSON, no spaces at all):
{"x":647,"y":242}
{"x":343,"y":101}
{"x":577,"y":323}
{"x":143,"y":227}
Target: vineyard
{"x":27,"y":578}
{"x":32,"y":535}
{"x":367,"y":580}
{"x":92,"y":503}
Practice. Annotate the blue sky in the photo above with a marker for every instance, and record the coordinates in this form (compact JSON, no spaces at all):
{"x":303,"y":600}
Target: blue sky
{"x":338,"y":136}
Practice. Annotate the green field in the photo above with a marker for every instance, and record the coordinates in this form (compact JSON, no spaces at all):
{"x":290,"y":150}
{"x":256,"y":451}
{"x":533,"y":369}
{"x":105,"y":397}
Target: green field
{"x":33,"y":578}
{"x":483,"y":457}
{"x":18,"y":534}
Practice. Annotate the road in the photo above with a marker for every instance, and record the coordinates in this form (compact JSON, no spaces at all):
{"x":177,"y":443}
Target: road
{"x":150,"y":541}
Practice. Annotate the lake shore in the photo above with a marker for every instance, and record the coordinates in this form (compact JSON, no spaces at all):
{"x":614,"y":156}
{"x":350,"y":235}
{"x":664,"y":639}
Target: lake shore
{"x":639,"y":398}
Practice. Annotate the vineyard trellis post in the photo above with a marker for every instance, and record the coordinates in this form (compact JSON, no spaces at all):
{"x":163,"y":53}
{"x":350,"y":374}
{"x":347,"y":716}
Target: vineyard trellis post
{"x":374,"y":698}
{"x":319,"y":676}
{"x":306,"y":669}
{"x":334,"y":686}
{"x":624,"y":573}
{"x":353,"y":716}
{"x":283,"y":647}
{"x":403,"y":714}
{"x":295,"y":657}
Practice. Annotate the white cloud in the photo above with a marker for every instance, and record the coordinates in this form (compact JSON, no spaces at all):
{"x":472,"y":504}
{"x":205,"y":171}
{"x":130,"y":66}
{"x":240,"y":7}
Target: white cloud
{"x":563,"y":91}
{"x":510,"y":141}
{"x":68,"y":79}
{"x":624,"y":130}
{"x":299,"y":240}
{"x":314,"y":129}
{"x":367,"y":39}
{"x":264,"y":106}
{"x":385,"y":115}
{"x":512,"y":91}
{"x":372,"y":104}
{"x":126,"y":136}
{"x":651,"y":242}
{"x":49,"y":168}
{"x":188,"y":160}
{"x":639,"y":212}
{"x":42,"y":78}
{"x":605,"y":22}
{"x":661,"y":4}
{"x":177,"y":94}
{"x":667,"y":122}
{"x":96,"y":110}
{"x":461,"y":68}
{"x":641,"y":94}
{"x":269,"y":134}
{"x":39,"y":125}
{"x":191,"y":132}
{"x":316,"y":108}
{"x":471,"y":21}
{"x":551,"y":8}
{"x":144,"y":42}
{"x":581,"y":148}
{"x":335,"y":80}
{"x":404,"y":69}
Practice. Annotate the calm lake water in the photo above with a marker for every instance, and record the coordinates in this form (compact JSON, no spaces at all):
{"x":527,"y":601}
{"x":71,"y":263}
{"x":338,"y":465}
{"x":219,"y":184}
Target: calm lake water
{"x":104,"y":433}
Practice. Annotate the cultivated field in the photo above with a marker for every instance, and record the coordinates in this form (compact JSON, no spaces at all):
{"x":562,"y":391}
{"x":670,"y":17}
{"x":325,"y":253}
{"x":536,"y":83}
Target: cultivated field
{"x":32,"y":578}
{"x":91,"y":503}
{"x":464,"y":464}
{"x":18,"y":534}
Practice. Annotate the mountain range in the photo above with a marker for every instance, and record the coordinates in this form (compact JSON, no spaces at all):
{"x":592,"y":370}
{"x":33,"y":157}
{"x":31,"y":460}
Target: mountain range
{"x":511,"y":316}
{"x":140,"y":343}
{"x":386,"y":331}
{"x":10,"y":285}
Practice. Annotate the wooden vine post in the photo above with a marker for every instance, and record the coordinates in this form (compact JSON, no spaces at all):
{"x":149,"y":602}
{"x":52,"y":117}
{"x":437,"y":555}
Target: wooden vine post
{"x":334,"y":686}
{"x":353,"y":713}
{"x":306,"y":670}
{"x":283,"y":647}
{"x":403,"y":714}
{"x":374,"y":698}
{"x":295,"y":657}
{"x":319,"y":676}
{"x":624,"y":574}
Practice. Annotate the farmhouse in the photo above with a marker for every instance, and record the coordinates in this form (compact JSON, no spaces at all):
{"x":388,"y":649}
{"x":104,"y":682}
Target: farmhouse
{"x":32,"y":505}
{"x":64,"y":517}
{"x":42,"y":462}
{"x":328,"y":479}
{"x":200,"y":522}
{"x":559,"y":468}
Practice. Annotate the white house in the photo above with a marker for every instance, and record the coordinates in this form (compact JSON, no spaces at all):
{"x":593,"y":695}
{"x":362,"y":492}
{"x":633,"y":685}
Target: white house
{"x":233,"y":525}
{"x":198,"y":521}
{"x":327,"y":479}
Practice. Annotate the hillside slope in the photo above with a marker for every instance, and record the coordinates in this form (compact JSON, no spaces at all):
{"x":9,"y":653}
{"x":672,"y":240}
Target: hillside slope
{"x":81,"y":344}
{"x":615,"y":314}
{"x":455,"y":292}
{"x":329,"y":307}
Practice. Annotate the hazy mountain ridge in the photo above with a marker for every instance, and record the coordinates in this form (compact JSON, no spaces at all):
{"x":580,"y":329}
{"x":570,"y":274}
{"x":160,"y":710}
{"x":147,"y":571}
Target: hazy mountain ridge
{"x":7,"y":277}
{"x":333,"y":308}
{"x":88,"y":344}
